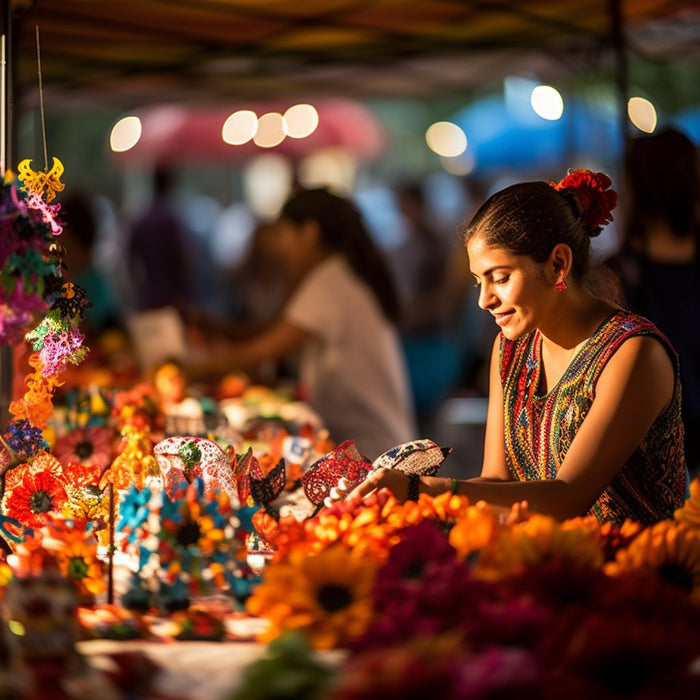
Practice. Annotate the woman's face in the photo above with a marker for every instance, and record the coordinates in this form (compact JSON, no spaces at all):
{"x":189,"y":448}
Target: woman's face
{"x":291,"y":245}
{"x":513,"y":288}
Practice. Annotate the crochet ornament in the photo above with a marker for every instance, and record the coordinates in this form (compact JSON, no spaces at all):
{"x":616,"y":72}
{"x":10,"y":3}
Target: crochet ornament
{"x":32,"y":265}
{"x":187,"y":458}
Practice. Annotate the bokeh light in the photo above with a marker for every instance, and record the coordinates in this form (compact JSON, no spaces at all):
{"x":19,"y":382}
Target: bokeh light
{"x":125,"y":134}
{"x":267,"y":181}
{"x":333,"y":167}
{"x":270,"y":131}
{"x":446,"y":139}
{"x":642,"y":114}
{"x":240,"y":127}
{"x":547,"y":102}
{"x":300,"y":121}
{"x":460,"y":165}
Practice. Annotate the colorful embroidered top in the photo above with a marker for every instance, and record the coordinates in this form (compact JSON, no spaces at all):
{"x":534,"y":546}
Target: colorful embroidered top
{"x":540,"y":429}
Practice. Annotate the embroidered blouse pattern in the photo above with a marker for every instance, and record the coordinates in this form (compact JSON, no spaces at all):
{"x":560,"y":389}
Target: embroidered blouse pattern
{"x":540,"y":429}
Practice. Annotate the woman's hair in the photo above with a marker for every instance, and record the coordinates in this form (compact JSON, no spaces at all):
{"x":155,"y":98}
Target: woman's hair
{"x":662,"y":176}
{"x":343,"y":231}
{"x":530,"y":218}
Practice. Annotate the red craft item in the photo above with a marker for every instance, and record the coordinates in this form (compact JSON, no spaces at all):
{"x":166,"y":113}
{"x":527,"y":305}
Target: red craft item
{"x":345,"y":461}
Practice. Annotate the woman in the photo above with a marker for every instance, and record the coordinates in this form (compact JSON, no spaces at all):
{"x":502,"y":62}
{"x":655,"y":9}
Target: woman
{"x":659,"y":264}
{"x":341,"y":316}
{"x":584,"y":408}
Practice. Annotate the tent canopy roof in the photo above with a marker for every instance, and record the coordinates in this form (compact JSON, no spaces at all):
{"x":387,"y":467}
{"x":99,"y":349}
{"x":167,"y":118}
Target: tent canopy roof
{"x":139,"y":51}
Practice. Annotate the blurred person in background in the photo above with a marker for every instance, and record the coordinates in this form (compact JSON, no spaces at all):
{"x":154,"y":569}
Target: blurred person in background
{"x":341,"y":317}
{"x":434,"y":329}
{"x":158,"y":251}
{"x":659,"y":261}
{"x":79,"y":238}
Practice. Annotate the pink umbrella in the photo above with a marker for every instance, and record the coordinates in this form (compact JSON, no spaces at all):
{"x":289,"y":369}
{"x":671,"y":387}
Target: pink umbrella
{"x":174,"y":134}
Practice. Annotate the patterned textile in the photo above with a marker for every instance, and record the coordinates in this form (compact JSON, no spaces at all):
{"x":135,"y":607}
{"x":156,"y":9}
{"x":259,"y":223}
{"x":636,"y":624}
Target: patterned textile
{"x":540,"y":429}
{"x":421,"y":457}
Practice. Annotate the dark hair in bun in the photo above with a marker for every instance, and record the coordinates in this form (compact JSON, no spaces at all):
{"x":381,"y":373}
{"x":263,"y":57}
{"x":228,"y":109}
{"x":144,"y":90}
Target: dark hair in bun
{"x":530,"y":218}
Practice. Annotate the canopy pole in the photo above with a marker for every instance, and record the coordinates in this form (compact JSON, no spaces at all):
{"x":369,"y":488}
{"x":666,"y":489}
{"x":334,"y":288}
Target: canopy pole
{"x":6,"y":156}
{"x":621,"y":68}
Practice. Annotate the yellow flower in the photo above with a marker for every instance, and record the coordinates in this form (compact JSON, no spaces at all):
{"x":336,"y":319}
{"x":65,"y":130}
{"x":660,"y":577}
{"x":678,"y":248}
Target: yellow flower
{"x":669,"y":549}
{"x":536,"y":540}
{"x":690,"y":512}
{"x":326,"y":596}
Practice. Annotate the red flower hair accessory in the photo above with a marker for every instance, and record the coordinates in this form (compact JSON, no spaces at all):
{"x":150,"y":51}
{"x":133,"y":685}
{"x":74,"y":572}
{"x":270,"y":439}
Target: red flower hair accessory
{"x":594,"y":198}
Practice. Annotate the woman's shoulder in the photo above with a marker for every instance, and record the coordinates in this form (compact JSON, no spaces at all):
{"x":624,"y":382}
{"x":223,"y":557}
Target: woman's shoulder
{"x":622,"y":324}
{"x":637,"y":334}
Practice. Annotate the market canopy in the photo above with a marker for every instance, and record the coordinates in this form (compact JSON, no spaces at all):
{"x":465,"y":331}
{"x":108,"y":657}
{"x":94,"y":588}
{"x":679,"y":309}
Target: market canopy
{"x":139,"y":51}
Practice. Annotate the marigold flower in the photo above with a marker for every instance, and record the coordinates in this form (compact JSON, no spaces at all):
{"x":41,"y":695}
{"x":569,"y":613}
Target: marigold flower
{"x":474,"y":530}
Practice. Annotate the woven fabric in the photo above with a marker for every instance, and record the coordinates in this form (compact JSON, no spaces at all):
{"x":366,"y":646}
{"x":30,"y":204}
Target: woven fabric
{"x":540,"y":429}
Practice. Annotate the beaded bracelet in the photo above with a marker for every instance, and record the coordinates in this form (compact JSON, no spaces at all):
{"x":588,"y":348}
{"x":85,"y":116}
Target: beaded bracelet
{"x":413,"y":487}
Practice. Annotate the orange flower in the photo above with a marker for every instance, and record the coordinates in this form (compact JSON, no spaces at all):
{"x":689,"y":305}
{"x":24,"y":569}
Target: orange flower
{"x":371,"y":527}
{"x":474,"y":530}
{"x":668,"y":549}
{"x":75,"y":550}
{"x":326,"y":596}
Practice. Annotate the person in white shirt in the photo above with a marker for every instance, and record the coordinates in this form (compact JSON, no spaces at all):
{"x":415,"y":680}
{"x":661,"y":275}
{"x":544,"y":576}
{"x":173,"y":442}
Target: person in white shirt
{"x":341,"y":316}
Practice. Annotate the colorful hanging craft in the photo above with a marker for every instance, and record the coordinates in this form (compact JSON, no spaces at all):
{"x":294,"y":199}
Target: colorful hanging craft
{"x":32,"y":290}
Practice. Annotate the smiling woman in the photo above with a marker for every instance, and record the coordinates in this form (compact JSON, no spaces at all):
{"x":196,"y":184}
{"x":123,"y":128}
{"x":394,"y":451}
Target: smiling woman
{"x":584,"y":406}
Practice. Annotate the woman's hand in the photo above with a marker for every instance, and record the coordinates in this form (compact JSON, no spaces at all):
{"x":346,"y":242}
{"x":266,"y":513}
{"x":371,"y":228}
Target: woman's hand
{"x":392,"y":479}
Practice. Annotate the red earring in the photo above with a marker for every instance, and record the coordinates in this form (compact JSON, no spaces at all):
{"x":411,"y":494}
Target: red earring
{"x":560,"y":286}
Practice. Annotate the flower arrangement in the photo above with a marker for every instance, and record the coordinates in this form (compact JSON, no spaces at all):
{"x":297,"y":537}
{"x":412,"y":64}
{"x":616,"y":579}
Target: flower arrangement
{"x":460,"y":600}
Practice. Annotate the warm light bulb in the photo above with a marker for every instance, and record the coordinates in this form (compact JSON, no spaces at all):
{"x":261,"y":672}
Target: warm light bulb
{"x":300,"y":121}
{"x":446,"y":139}
{"x":270,"y":131}
{"x":125,"y":134}
{"x":239,"y":127}
{"x":642,"y":114}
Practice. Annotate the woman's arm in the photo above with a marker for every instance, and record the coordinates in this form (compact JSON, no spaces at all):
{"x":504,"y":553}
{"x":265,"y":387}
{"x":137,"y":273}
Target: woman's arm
{"x":635,"y":387}
{"x":494,"y":464}
{"x":279,"y":340}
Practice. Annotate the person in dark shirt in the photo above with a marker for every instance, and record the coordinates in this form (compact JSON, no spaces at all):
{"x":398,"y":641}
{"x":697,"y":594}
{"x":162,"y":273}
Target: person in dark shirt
{"x":157,"y":252}
{"x":659,"y":261}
